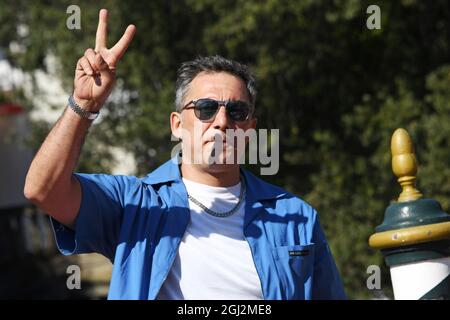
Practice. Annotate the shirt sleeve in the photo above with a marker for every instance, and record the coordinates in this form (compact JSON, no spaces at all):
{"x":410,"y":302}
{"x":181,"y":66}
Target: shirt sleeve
{"x":327,"y":284}
{"x":99,"y":218}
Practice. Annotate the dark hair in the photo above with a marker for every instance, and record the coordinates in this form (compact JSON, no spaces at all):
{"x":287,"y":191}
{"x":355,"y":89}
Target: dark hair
{"x":190,"y":69}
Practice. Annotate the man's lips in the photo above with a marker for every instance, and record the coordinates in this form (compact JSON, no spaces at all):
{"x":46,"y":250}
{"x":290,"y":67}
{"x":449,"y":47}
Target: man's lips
{"x":216,"y":139}
{"x":222,"y":138}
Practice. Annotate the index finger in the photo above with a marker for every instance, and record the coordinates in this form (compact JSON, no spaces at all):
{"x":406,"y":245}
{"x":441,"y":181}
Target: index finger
{"x":102,"y":30}
{"x":121,"y":46}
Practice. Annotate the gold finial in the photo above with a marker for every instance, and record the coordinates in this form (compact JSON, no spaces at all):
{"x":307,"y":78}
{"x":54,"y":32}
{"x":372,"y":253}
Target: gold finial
{"x":404,"y":165}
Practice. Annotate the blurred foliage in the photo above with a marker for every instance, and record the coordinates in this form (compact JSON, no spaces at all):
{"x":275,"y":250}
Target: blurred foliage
{"x":335,"y":89}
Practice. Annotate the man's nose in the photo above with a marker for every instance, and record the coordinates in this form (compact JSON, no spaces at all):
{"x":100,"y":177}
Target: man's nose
{"x":222,"y":121}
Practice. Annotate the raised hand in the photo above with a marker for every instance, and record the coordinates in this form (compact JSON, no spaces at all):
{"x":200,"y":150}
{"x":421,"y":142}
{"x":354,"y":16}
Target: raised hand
{"x":95,"y":71}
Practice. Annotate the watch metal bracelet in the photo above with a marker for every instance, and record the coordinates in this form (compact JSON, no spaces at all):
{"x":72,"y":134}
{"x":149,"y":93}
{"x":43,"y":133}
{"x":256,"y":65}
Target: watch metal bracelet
{"x":80,"y":111}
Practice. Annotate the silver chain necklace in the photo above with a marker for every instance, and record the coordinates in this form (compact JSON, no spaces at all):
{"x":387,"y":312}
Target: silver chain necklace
{"x":221,"y":214}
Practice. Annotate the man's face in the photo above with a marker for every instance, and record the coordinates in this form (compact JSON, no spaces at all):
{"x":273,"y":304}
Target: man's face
{"x":199,"y":138}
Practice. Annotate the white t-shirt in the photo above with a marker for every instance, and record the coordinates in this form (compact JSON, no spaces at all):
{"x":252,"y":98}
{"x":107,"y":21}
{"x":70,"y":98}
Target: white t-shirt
{"x":214,"y":261}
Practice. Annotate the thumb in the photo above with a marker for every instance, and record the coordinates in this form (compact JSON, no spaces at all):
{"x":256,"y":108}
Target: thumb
{"x":100,"y":63}
{"x":107,"y":73}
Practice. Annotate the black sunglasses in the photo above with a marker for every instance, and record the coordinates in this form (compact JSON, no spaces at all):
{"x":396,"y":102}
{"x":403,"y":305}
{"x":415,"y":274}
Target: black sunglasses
{"x":206,"y":109}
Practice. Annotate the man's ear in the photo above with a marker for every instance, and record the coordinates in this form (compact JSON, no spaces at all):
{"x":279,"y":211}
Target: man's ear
{"x":175,"y":124}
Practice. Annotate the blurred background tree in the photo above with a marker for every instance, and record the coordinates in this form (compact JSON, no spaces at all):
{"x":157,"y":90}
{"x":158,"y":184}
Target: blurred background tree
{"x":335,"y":89}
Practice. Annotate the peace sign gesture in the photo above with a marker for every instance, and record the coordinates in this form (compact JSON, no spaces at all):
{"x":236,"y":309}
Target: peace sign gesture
{"x":95,"y":72}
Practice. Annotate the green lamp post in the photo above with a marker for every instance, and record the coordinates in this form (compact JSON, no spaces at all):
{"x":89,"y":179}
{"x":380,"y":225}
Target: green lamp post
{"x":414,"y":237}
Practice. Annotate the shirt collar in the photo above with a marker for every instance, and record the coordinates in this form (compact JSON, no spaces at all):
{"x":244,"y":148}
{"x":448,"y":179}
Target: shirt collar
{"x":167,"y":172}
{"x":256,"y":187}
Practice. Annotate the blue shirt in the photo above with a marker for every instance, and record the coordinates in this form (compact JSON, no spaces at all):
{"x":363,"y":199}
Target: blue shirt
{"x":138,"y":224}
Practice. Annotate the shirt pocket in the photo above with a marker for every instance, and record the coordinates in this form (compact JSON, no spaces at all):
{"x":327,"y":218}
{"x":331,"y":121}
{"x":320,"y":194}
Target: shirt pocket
{"x":296,"y":261}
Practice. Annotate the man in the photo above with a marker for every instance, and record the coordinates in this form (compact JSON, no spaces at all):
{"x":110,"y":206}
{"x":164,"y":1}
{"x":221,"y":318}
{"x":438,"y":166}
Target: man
{"x":190,"y":229}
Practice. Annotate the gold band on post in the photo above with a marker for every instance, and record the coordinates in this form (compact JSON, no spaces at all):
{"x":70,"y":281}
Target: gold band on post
{"x":412,"y":235}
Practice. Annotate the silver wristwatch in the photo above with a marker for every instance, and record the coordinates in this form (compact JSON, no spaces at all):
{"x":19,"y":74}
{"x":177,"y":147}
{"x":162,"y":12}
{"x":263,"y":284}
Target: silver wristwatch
{"x":80,"y":111}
